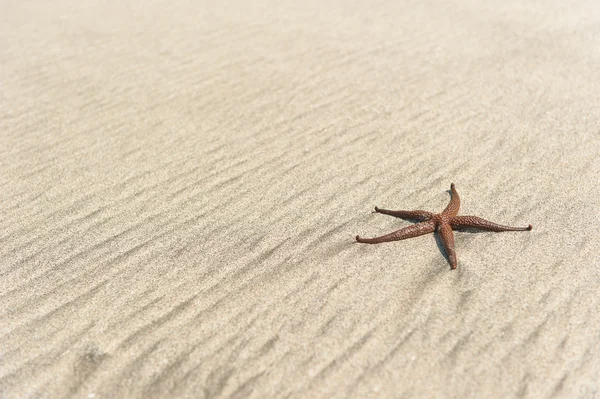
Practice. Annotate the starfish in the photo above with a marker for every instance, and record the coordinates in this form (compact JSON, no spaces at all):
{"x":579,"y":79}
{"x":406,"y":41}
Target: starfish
{"x":442,"y":222}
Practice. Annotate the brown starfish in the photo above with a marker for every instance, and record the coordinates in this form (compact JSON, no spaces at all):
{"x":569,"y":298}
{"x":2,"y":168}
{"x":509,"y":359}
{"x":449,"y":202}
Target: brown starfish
{"x":444,"y":223}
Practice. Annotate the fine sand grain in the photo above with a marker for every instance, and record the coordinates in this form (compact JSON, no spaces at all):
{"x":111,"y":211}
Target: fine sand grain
{"x":181,"y":183}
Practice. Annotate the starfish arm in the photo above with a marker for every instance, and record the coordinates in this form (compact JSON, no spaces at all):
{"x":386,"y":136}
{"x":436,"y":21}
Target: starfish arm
{"x":482,"y":224}
{"x":452,"y":208}
{"x":419,"y":215}
{"x":415,"y":230}
{"x":448,"y":241}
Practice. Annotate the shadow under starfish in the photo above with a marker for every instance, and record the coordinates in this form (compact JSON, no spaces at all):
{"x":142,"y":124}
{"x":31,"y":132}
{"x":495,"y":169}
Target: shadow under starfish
{"x":442,"y":222}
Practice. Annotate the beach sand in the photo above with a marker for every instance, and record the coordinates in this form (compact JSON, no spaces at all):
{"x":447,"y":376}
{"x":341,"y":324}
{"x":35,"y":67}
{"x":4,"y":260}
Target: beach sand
{"x":181,"y":184}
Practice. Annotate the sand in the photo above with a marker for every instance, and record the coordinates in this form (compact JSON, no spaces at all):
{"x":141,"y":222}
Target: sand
{"x":181,"y":183}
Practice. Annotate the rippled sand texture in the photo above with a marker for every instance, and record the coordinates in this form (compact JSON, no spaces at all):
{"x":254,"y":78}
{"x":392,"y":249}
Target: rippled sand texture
{"x":181,"y":183}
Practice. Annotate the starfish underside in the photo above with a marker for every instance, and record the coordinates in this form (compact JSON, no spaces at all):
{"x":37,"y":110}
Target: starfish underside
{"x":443,"y":222}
